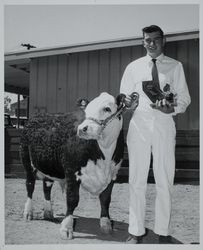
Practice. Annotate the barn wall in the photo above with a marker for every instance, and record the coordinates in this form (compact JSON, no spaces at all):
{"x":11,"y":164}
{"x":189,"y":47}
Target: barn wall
{"x":56,"y":82}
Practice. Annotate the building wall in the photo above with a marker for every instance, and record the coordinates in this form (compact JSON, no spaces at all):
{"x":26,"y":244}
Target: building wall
{"x":56,"y":82}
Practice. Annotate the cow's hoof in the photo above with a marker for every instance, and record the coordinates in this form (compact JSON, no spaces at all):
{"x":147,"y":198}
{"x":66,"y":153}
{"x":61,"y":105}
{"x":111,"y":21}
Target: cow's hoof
{"x":66,"y":230}
{"x":28,"y":211}
{"x":27,"y":216}
{"x":63,"y":234}
{"x":70,"y":234}
{"x":105,"y":225}
{"x":48,"y":215}
{"x":66,"y":235}
{"x":48,"y":212}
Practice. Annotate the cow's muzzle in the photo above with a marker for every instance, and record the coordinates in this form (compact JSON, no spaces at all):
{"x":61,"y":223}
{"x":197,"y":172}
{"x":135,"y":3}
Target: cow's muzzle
{"x":81,"y":132}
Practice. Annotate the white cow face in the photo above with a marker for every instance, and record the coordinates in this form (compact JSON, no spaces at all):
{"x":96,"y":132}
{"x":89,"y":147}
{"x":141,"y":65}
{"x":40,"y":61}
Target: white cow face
{"x":99,"y":109}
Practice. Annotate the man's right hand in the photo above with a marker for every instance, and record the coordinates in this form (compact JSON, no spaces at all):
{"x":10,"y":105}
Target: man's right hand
{"x":131,"y":103}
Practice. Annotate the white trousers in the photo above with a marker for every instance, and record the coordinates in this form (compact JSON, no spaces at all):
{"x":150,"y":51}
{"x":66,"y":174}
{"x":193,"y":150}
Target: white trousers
{"x":150,"y":133}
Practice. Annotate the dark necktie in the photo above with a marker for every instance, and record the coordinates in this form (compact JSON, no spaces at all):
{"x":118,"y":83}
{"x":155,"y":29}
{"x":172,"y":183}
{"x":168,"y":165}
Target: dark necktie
{"x":155,"y":76}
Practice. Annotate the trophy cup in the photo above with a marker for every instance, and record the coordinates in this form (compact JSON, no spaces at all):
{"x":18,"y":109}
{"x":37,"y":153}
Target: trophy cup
{"x":154,"y":93}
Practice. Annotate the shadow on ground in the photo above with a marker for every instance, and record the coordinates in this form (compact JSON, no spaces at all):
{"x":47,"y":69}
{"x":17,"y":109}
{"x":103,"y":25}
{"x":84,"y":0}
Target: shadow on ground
{"x":90,"y":227}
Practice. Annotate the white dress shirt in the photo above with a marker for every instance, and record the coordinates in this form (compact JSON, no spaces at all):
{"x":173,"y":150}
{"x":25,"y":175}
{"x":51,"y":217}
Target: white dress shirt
{"x":170,"y":72}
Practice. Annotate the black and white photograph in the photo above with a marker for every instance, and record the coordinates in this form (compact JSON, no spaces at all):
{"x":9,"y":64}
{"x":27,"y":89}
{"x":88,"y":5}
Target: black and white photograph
{"x":101,"y":124}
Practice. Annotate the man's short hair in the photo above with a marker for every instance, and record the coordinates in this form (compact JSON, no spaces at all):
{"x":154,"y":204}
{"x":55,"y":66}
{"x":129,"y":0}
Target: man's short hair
{"x":153,"y":28}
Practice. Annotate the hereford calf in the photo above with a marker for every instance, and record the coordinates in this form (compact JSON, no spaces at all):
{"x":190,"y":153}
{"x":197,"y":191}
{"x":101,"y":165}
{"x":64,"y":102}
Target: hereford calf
{"x":83,"y":148}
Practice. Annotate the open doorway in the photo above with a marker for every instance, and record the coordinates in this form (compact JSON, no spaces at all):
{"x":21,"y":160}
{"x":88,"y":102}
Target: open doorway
{"x":16,"y":109}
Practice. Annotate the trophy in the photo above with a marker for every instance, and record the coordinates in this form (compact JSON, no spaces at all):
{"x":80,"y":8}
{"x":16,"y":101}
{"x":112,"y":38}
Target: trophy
{"x":154,"y":93}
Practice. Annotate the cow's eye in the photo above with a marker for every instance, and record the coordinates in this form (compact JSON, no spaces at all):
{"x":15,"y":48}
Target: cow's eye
{"x":107,"y":109}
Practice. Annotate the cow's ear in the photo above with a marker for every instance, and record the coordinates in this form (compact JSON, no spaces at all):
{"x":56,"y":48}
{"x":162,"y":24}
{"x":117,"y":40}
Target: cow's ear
{"x":120,"y":99}
{"x":82,"y":103}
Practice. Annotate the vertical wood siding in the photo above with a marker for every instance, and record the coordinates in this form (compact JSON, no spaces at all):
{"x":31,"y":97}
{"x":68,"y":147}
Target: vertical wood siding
{"x":56,"y":82}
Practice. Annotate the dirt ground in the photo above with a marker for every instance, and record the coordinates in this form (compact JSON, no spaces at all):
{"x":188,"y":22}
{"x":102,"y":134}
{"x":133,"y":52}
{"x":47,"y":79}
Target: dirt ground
{"x":184,"y":222}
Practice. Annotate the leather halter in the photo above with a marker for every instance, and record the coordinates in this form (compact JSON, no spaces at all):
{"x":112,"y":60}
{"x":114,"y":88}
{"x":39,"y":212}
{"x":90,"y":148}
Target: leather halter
{"x":105,"y":122}
{"x":120,"y":110}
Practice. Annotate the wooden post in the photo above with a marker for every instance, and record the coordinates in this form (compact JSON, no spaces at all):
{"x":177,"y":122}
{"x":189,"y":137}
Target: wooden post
{"x":18,"y":112}
{"x":28,"y":102}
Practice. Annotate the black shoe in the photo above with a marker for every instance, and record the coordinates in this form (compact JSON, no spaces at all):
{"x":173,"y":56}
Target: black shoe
{"x":165,"y":239}
{"x":132,"y":239}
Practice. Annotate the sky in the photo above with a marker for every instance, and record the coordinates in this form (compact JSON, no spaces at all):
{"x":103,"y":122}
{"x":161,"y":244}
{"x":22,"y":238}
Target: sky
{"x":58,"y":25}
{"x":14,"y":97}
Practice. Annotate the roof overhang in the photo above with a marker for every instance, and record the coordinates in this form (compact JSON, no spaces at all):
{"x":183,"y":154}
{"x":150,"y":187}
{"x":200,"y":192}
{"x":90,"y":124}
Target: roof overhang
{"x":21,"y":55}
{"x":17,"y":76}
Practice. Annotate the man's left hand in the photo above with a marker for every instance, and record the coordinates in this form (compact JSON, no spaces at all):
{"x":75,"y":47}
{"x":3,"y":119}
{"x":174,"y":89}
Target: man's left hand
{"x":163,"y":106}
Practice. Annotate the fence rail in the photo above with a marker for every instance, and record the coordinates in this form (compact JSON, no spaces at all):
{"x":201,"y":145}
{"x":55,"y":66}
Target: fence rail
{"x":187,"y":156}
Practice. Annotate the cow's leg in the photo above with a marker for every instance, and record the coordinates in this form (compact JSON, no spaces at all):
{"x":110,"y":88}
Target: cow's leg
{"x":72,"y":199}
{"x":48,"y":212}
{"x":105,"y":199}
{"x":30,"y":182}
{"x":30,"y":185}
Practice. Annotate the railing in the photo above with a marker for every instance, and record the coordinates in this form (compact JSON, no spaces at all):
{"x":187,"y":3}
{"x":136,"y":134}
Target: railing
{"x":187,"y":156}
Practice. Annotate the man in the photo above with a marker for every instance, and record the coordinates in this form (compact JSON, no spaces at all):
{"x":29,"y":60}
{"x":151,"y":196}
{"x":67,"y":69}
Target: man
{"x":152,"y":130}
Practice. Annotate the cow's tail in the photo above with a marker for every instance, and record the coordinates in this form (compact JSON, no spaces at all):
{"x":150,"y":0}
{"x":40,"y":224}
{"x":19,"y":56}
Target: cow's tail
{"x":26,"y":161}
{"x":30,"y":180}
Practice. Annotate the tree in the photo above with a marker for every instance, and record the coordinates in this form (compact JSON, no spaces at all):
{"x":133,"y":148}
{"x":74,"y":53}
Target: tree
{"x":7,"y":101}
